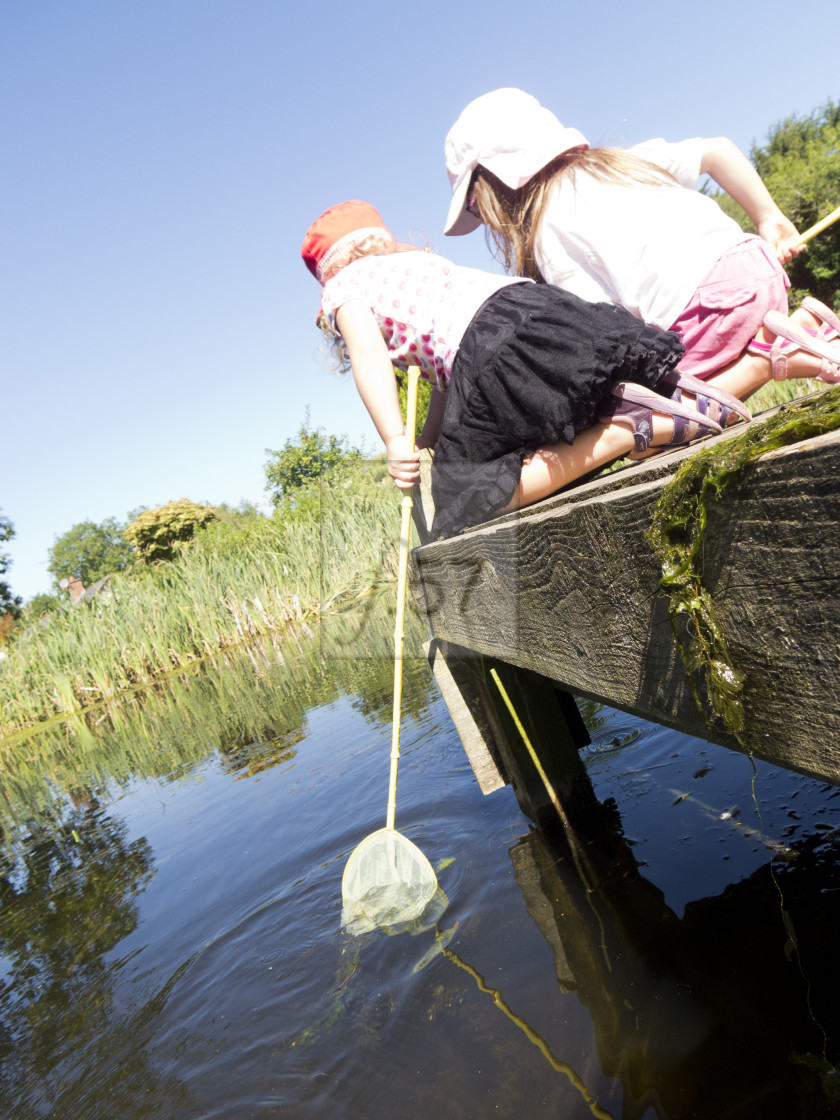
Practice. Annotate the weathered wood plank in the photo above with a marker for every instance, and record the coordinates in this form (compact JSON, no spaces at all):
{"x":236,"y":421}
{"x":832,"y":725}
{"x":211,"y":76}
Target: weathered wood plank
{"x":463,"y":690}
{"x":569,"y":589}
{"x":493,"y":743}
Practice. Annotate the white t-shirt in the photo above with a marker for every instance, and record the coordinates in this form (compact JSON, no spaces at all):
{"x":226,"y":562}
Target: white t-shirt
{"x":422,"y":303}
{"x":646,"y":248}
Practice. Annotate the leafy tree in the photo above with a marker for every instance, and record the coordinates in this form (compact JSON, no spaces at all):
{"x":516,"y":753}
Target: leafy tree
{"x":158,"y":534}
{"x":311,"y":455}
{"x":9,"y":604}
{"x":800,"y":165}
{"x":89,"y":552}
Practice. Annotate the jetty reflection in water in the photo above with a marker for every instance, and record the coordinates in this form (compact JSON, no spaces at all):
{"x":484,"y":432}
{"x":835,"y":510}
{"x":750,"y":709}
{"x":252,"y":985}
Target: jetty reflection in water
{"x":727,"y":1010}
{"x":170,"y":914}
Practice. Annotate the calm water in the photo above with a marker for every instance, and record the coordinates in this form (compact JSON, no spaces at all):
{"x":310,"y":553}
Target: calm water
{"x":170,"y":904}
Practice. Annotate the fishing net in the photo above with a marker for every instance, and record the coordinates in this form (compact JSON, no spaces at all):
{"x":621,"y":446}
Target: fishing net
{"x":387,"y":882}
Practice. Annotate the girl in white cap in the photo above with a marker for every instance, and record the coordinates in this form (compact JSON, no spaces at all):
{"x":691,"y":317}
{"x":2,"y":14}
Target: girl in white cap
{"x":629,"y":226}
{"x":533,"y":387}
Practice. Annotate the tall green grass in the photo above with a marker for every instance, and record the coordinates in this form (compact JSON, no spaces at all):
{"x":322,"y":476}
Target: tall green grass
{"x":229,"y":586}
{"x":782,"y":392}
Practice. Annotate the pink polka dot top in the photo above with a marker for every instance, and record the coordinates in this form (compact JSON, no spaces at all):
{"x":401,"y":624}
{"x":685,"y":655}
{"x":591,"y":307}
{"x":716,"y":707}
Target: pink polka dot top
{"x":422,"y":303}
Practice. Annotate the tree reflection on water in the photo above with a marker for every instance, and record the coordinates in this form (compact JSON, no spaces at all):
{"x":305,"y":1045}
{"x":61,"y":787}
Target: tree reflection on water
{"x":68,"y":892}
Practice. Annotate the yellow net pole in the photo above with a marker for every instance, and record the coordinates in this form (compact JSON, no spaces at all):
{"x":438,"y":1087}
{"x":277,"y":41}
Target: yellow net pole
{"x":405,"y":530}
{"x":819,"y":227}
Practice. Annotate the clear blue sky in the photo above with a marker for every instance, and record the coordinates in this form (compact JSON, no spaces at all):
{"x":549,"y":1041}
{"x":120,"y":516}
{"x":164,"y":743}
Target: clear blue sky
{"x":161,"y":160}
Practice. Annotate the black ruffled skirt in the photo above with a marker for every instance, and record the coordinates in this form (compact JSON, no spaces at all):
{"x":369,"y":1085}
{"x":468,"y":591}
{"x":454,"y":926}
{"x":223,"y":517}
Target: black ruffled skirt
{"x":532,"y":369}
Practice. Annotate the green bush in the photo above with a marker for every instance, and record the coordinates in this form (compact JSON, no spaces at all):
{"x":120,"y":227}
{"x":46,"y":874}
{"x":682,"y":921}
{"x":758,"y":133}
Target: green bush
{"x":227,"y":583}
{"x":158,"y":534}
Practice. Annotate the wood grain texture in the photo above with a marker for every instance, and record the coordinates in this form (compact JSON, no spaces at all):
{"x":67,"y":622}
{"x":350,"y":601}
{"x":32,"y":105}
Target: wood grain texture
{"x":570,"y":590}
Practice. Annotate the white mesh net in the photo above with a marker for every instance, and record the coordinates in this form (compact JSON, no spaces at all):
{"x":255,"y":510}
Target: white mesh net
{"x":387,"y":881}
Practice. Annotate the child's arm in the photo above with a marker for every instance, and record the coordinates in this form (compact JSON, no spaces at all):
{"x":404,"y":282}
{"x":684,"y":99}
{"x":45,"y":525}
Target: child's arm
{"x":431,"y":425}
{"x":374,"y":377}
{"x":731,"y":169}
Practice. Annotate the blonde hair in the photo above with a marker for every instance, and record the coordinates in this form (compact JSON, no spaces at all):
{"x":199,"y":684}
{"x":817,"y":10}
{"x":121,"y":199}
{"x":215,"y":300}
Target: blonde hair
{"x":340,"y":359}
{"x":512,"y":217}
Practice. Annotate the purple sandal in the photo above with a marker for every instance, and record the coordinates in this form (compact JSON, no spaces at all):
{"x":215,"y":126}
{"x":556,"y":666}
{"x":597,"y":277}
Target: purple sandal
{"x":633,"y":405}
{"x":712,"y":402}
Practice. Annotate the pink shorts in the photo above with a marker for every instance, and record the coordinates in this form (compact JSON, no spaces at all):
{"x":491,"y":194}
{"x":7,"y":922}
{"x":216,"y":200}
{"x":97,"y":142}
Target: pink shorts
{"x":729,"y":306}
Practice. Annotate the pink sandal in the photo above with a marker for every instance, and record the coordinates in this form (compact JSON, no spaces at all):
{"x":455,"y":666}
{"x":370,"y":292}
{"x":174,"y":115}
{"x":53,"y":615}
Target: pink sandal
{"x":831,"y":328}
{"x":792,"y":337}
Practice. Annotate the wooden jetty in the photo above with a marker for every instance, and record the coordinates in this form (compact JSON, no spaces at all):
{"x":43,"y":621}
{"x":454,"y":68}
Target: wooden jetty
{"x":563,"y":599}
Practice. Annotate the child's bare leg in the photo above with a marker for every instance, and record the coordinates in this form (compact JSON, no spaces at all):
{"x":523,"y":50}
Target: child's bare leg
{"x":745,"y":375}
{"x":551,"y":468}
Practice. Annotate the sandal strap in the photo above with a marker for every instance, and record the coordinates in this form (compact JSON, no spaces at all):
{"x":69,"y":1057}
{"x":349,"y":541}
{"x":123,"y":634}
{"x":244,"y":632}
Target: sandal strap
{"x":825,"y":315}
{"x":633,"y":405}
{"x":706,"y":395}
{"x":776,"y":353}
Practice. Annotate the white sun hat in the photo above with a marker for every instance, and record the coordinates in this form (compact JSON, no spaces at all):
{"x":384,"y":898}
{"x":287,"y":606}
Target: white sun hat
{"x":510,"y":134}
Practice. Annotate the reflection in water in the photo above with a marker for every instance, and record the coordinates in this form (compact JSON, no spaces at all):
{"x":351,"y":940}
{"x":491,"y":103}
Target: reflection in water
{"x":687,"y":1009}
{"x":250,"y":705}
{"x":170,"y":915}
{"x":532,"y":1036}
{"x":68,"y":892}
{"x":71,"y":879}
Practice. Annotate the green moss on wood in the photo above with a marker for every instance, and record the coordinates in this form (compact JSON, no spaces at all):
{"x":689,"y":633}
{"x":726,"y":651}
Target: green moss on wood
{"x":676,"y":536}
